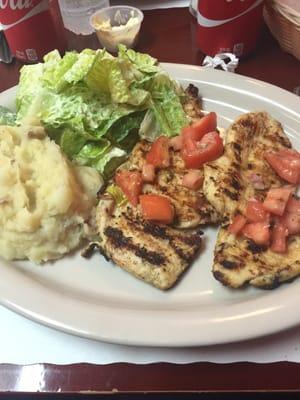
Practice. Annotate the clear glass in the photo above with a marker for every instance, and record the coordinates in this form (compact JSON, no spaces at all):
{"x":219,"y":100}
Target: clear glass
{"x":76,"y":14}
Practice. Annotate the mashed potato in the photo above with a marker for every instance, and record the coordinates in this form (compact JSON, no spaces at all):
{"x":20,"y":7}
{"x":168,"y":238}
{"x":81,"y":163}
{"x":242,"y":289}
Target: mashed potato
{"x":44,"y":200}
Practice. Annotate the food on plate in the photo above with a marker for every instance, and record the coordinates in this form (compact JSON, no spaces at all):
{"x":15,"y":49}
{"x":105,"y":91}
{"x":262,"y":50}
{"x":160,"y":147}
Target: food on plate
{"x":191,"y":207}
{"x":165,"y":168}
{"x":150,"y":228}
{"x":155,"y":253}
{"x":243,"y":172}
{"x":7,"y":117}
{"x":97,"y":106}
{"x":183,"y":186}
{"x":45,"y":202}
{"x":256,"y":243}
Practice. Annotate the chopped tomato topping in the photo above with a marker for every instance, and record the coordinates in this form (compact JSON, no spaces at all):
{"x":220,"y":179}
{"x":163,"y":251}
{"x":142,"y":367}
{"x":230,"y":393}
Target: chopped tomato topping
{"x":131,"y":183}
{"x":193,"y":179}
{"x":176,"y":142}
{"x":148,"y":172}
{"x":158,"y":155}
{"x":278,"y":237}
{"x":292,"y":222}
{"x":293,"y":205}
{"x":277,"y":199}
{"x":286,"y":163}
{"x":209,"y":148}
{"x":238,"y":223}
{"x":198,"y":129}
{"x":157,"y":208}
{"x":255,"y":211}
{"x":259,"y":232}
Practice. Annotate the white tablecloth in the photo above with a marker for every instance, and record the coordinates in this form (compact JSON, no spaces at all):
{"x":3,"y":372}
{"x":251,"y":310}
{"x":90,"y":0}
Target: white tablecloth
{"x":25,"y":342}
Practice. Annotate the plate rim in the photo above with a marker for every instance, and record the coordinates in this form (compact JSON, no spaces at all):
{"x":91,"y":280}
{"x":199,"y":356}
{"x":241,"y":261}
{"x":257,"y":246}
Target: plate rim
{"x":263,"y":316}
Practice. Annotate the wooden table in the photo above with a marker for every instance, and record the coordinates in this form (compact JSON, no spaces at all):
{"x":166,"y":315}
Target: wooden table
{"x":168,"y":35}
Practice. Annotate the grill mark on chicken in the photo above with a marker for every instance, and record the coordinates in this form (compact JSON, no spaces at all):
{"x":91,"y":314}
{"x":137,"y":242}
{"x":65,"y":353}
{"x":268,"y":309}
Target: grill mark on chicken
{"x":235,"y":183}
{"x":155,"y":230}
{"x":231,"y":195}
{"x":119,"y":240}
{"x":255,"y":248}
{"x":229,"y":264}
{"x":161,"y":233}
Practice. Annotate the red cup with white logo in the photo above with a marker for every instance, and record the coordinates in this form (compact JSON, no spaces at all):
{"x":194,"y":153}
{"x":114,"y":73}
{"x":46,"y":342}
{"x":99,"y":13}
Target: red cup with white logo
{"x":31,"y":28}
{"x":232,"y":26}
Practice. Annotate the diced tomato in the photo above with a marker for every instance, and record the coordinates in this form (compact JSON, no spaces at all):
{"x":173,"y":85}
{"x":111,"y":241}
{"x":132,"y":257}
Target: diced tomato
{"x":237,"y":224}
{"x":193,"y":179}
{"x":131,"y":183}
{"x":209,"y":148}
{"x":198,"y":129}
{"x":278,"y":237}
{"x":157,"y":208}
{"x":259,"y":232}
{"x":292,"y":155}
{"x":255,"y":211}
{"x":277,"y":199}
{"x":293,"y":205}
{"x":176,"y":142}
{"x":158,"y":155}
{"x":286,"y":163}
{"x":148,"y":172}
{"x":292,"y":222}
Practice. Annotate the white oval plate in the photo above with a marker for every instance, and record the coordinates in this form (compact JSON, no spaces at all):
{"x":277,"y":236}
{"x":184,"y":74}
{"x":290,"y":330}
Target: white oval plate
{"x":95,"y":299}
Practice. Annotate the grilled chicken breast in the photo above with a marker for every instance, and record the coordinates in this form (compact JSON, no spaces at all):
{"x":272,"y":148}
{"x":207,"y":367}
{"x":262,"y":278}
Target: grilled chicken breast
{"x":239,"y":260}
{"x":153,"y":253}
{"x":192,"y":104}
{"x":229,"y":183}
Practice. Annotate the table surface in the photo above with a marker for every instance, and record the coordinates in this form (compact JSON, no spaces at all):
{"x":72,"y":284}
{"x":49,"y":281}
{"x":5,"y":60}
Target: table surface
{"x":168,"y":35}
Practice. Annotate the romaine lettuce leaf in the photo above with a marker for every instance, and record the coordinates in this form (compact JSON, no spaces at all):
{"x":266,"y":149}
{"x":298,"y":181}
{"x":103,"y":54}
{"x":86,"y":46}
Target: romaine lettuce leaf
{"x":55,"y":68}
{"x":126,"y":126}
{"x":143,"y":62}
{"x":166,"y":106}
{"x":29,"y":94}
{"x":104,"y":157}
{"x":150,"y":127}
{"x":114,"y":77}
{"x":117,"y":194}
{"x":7,"y":117}
{"x":81,"y":67}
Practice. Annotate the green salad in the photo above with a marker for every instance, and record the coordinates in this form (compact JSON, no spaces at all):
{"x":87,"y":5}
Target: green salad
{"x":97,"y":106}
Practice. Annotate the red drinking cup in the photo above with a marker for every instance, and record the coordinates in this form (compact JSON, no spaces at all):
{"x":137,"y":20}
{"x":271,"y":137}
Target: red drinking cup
{"x":31,"y":28}
{"x":230,"y":26}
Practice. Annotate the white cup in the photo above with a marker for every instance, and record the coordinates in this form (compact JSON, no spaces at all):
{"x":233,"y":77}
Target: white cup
{"x":117,"y":25}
